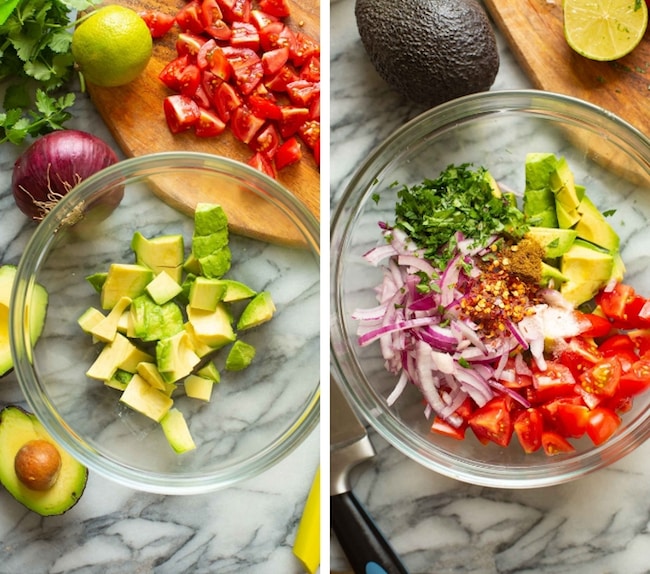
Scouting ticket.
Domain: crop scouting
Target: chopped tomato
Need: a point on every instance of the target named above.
(528, 427)
(277, 35)
(274, 60)
(615, 344)
(571, 418)
(292, 118)
(189, 80)
(602, 424)
(259, 18)
(310, 133)
(602, 378)
(244, 35)
(210, 13)
(211, 57)
(261, 162)
(226, 100)
(580, 354)
(267, 141)
(553, 443)
(264, 107)
(277, 8)
(493, 421)
(302, 92)
(595, 325)
(288, 153)
(159, 23)
(636, 380)
(556, 381)
(209, 124)
(304, 47)
(310, 70)
(181, 112)
(641, 339)
(189, 44)
(189, 17)
(245, 124)
(171, 74)
(442, 427)
(246, 66)
(613, 302)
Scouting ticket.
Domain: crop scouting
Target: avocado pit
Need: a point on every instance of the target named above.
(37, 464)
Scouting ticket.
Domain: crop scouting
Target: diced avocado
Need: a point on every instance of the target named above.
(124, 323)
(259, 310)
(555, 241)
(205, 293)
(36, 312)
(214, 328)
(152, 322)
(64, 477)
(552, 276)
(204, 245)
(164, 252)
(119, 380)
(150, 373)
(588, 269)
(120, 353)
(97, 280)
(175, 357)
(566, 218)
(593, 227)
(209, 218)
(106, 329)
(539, 207)
(177, 432)
(216, 264)
(236, 291)
(163, 288)
(192, 265)
(124, 280)
(209, 371)
(538, 169)
(200, 347)
(145, 399)
(198, 387)
(89, 318)
(564, 186)
(240, 356)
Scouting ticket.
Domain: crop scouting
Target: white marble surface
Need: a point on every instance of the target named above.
(248, 529)
(596, 525)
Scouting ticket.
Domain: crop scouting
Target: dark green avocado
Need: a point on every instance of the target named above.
(43, 477)
(431, 51)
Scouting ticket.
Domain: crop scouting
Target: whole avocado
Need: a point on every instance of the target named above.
(431, 51)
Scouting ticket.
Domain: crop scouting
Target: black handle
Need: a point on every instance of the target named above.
(364, 545)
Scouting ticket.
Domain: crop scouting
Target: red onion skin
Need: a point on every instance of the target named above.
(53, 165)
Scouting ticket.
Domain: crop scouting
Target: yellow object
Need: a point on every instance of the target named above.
(112, 47)
(604, 30)
(307, 544)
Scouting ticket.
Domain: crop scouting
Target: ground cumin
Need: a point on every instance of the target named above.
(524, 259)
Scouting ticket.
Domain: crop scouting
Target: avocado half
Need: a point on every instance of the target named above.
(17, 428)
(431, 51)
(36, 316)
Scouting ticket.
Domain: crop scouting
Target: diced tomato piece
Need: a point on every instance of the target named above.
(493, 421)
(264, 107)
(267, 141)
(528, 426)
(304, 47)
(201, 97)
(226, 100)
(245, 124)
(188, 17)
(641, 339)
(262, 163)
(595, 325)
(171, 74)
(310, 133)
(210, 13)
(571, 418)
(602, 379)
(245, 35)
(310, 70)
(277, 35)
(301, 92)
(209, 124)
(181, 112)
(288, 153)
(292, 118)
(314, 110)
(556, 381)
(246, 66)
(211, 57)
(219, 30)
(636, 380)
(259, 18)
(158, 22)
(236, 10)
(279, 82)
(442, 427)
(580, 354)
(189, 44)
(189, 80)
(615, 344)
(274, 60)
(554, 443)
(602, 424)
(614, 302)
(277, 8)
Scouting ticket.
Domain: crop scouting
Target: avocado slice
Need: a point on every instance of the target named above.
(555, 241)
(594, 227)
(36, 311)
(177, 432)
(60, 490)
(587, 269)
(259, 310)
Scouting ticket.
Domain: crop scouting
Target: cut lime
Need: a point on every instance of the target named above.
(604, 30)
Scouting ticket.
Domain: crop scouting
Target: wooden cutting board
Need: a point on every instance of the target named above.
(134, 116)
(534, 30)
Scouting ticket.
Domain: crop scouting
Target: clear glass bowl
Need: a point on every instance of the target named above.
(256, 416)
(495, 130)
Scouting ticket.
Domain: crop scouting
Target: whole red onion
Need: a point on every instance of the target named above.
(53, 165)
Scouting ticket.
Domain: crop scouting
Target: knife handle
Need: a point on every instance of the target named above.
(364, 545)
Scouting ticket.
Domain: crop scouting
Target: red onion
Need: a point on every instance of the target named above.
(55, 164)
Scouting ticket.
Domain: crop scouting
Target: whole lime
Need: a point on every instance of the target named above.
(112, 46)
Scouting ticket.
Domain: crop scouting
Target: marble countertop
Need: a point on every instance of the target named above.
(598, 524)
(247, 529)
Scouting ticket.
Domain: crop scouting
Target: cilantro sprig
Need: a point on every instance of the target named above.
(36, 65)
(460, 199)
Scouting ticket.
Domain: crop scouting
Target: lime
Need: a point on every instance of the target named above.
(112, 47)
(604, 30)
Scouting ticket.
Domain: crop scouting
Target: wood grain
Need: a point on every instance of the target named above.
(134, 116)
(534, 30)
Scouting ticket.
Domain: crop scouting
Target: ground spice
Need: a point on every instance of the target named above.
(524, 259)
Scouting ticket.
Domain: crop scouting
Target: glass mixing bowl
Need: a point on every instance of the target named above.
(255, 416)
(494, 130)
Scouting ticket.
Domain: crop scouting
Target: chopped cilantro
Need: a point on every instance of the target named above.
(462, 200)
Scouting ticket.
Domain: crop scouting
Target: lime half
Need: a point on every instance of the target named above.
(604, 30)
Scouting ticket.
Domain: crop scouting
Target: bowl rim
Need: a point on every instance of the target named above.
(24, 284)
(359, 393)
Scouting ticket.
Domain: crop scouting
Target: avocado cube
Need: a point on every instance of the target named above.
(205, 293)
(236, 290)
(192, 265)
(209, 371)
(259, 310)
(152, 322)
(109, 358)
(200, 347)
(143, 398)
(163, 288)
(106, 329)
(197, 387)
(209, 218)
(240, 356)
(214, 328)
(538, 169)
(89, 318)
(204, 245)
(162, 252)
(216, 264)
(177, 432)
(175, 357)
(124, 280)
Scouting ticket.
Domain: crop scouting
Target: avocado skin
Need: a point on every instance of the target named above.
(431, 51)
